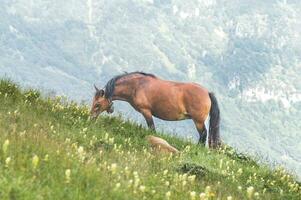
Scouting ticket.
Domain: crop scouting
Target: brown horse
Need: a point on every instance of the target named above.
(167, 100)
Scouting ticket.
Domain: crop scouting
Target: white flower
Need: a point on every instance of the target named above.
(80, 150)
(202, 196)
(191, 178)
(142, 188)
(229, 198)
(250, 192)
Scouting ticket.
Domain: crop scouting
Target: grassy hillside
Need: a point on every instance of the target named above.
(51, 150)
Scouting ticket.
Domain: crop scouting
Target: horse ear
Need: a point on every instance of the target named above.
(101, 92)
(96, 88)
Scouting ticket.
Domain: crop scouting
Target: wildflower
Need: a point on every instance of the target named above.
(229, 198)
(165, 172)
(5, 146)
(250, 192)
(153, 191)
(168, 194)
(142, 188)
(184, 183)
(111, 140)
(113, 168)
(192, 195)
(203, 196)
(35, 161)
(46, 158)
(67, 175)
(117, 186)
(239, 171)
(191, 178)
(208, 190)
(7, 161)
(167, 183)
(221, 164)
(239, 188)
(81, 153)
(135, 173)
(137, 181)
(256, 194)
(130, 183)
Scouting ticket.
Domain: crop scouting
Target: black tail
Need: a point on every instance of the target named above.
(214, 138)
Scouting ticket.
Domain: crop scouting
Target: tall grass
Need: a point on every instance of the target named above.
(51, 150)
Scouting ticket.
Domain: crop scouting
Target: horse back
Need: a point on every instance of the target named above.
(171, 100)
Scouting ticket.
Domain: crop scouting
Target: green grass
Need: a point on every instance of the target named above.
(51, 150)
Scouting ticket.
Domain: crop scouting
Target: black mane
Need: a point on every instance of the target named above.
(110, 86)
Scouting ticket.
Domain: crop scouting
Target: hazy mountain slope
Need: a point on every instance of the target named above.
(248, 52)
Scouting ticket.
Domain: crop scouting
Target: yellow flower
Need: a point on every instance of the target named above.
(208, 190)
(117, 186)
(46, 158)
(229, 198)
(35, 161)
(68, 175)
(192, 195)
(5, 146)
(113, 168)
(256, 194)
(167, 183)
(168, 194)
(7, 161)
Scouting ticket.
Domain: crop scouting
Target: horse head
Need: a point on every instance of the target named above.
(101, 103)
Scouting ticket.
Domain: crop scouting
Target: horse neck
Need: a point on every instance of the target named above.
(123, 90)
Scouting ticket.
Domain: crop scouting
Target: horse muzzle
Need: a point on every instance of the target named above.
(110, 110)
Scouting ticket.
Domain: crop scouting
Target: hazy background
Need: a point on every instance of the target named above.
(247, 51)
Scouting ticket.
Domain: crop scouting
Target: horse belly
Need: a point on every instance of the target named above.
(170, 113)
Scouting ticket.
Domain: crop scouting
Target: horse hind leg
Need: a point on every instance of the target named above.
(149, 119)
(200, 126)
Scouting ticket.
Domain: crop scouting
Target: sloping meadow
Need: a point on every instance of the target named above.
(50, 149)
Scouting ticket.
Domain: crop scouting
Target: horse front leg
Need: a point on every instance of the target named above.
(202, 132)
(149, 119)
